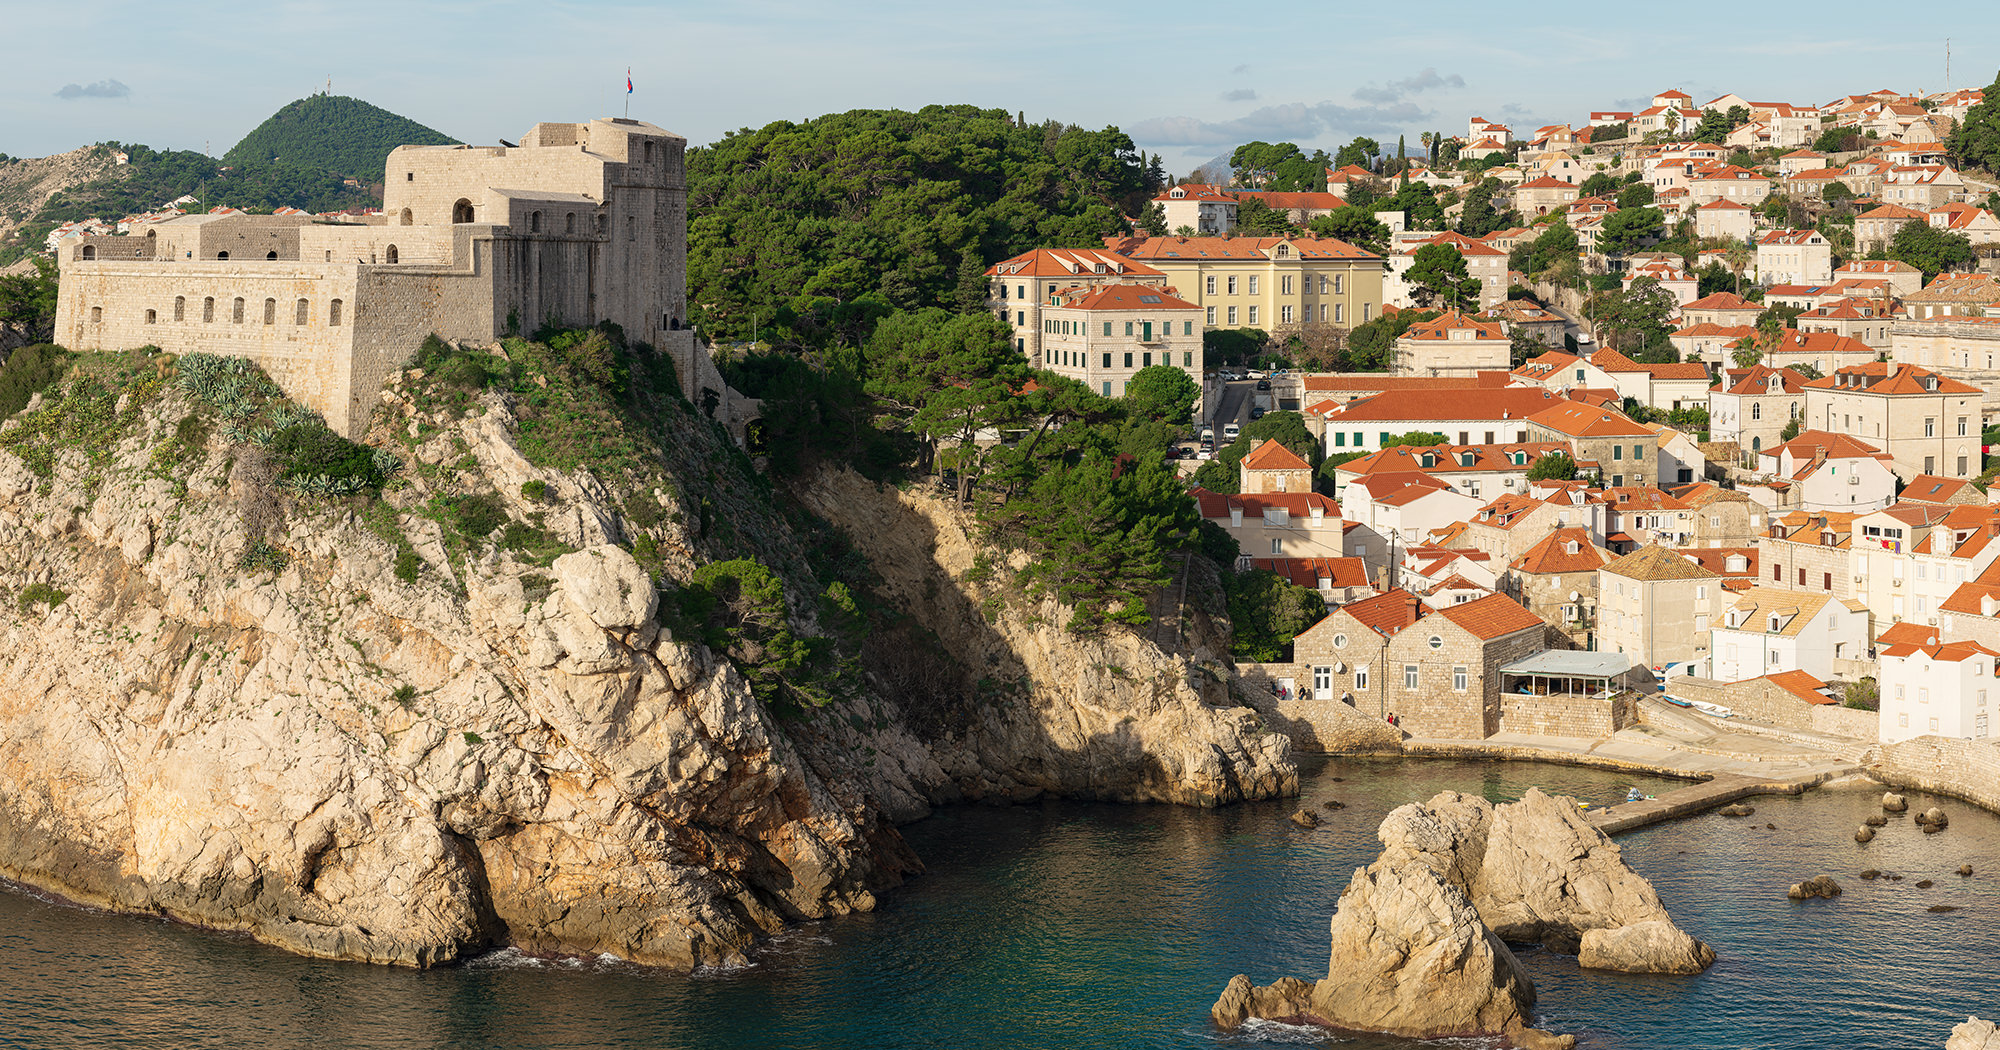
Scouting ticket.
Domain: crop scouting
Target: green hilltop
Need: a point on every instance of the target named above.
(332, 133)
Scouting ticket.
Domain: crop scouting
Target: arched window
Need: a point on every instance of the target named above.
(1756, 411)
(390, 255)
(649, 152)
(222, 256)
(569, 223)
(208, 309)
(333, 313)
(97, 315)
(236, 310)
(534, 222)
(270, 256)
(1795, 410)
(152, 317)
(270, 311)
(300, 313)
(461, 212)
(90, 251)
(631, 227)
(406, 218)
(180, 307)
(152, 243)
(1756, 444)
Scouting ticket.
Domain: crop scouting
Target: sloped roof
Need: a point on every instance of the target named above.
(1579, 420)
(1122, 297)
(1801, 685)
(1722, 301)
(1716, 560)
(1463, 403)
(1386, 613)
(1809, 444)
(1929, 488)
(1490, 617)
(1273, 455)
(1068, 262)
(1794, 608)
(1198, 249)
(1306, 572)
(1553, 554)
(1442, 327)
(1756, 381)
(1882, 377)
(1653, 563)
(1295, 504)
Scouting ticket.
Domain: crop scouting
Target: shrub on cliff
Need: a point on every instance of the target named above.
(738, 607)
(314, 459)
(28, 371)
(1266, 612)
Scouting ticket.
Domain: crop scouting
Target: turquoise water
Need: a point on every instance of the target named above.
(1088, 925)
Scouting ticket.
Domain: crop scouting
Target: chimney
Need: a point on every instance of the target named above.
(1987, 605)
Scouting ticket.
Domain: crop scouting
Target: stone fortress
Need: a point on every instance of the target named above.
(580, 223)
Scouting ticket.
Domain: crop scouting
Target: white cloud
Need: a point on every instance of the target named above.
(1290, 122)
(1397, 90)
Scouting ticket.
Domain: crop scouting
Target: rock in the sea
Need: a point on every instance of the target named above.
(1876, 820)
(1737, 809)
(1306, 818)
(1942, 907)
(1965, 869)
(1924, 884)
(1974, 1034)
(1933, 817)
(1817, 886)
(1548, 876)
(1864, 833)
(1871, 874)
(1894, 803)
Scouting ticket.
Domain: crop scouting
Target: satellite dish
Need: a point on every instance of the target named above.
(1573, 595)
(1339, 668)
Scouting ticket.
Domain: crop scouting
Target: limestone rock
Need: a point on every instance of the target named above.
(1864, 834)
(1894, 803)
(1932, 818)
(1653, 946)
(1306, 818)
(1817, 886)
(607, 584)
(1875, 820)
(1548, 876)
(1737, 809)
(1974, 1034)
(1964, 870)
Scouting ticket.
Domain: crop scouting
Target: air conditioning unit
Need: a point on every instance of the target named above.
(1932, 621)
(1854, 479)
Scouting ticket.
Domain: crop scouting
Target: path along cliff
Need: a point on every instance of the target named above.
(548, 665)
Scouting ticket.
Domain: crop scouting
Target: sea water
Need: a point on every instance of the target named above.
(1069, 924)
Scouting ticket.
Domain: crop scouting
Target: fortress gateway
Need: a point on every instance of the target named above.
(580, 223)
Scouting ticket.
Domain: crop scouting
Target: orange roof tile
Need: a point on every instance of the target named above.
(1406, 406)
(1491, 617)
(1800, 684)
(1124, 297)
(1386, 613)
(1068, 262)
(1580, 420)
(1563, 550)
(1307, 572)
(1272, 455)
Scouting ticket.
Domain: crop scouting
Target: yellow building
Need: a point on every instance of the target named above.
(1273, 283)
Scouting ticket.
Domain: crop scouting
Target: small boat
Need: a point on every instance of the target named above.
(1675, 700)
(1712, 710)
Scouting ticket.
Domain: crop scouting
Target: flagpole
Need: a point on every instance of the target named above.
(628, 92)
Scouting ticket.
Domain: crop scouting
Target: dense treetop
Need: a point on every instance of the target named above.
(332, 133)
(795, 224)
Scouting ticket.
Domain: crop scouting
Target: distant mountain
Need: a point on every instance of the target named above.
(333, 133)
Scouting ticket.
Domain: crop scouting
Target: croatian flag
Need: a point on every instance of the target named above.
(628, 80)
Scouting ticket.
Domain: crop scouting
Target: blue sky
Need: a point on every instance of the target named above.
(1189, 80)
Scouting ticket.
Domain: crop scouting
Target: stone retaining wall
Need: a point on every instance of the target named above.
(1564, 715)
(1963, 769)
(1328, 726)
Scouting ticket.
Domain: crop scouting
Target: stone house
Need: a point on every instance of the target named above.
(1273, 283)
(1542, 195)
(1928, 424)
(1655, 605)
(1941, 492)
(1711, 344)
(1954, 346)
(1271, 467)
(1753, 407)
(1207, 210)
(1794, 257)
(1391, 511)
(1818, 471)
(1723, 220)
(1468, 415)
(1102, 335)
(1937, 689)
(1909, 558)
(1025, 283)
(1482, 260)
(1277, 525)
(1954, 295)
(1481, 471)
(1877, 226)
(1903, 278)
(1767, 630)
(1825, 352)
(1438, 671)
(1721, 517)
(1299, 207)
(1730, 183)
(1658, 384)
(1606, 441)
(1527, 317)
(1810, 552)
(1722, 308)
(1338, 580)
(1972, 613)
(1557, 578)
(1505, 528)
(1453, 344)
(581, 223)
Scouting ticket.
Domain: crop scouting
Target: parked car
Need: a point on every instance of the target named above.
(1230, 430)
(1263, 384)
(1257, 413)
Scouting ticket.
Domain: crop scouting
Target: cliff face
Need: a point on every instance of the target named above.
(351, 735)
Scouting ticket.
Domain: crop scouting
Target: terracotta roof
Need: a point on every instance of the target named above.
(1295, 504)
(1794, 609)
(1756, 380)
(1704, 493)
(1791, 237)
(1890, 211)
(1384, 381)
(1908, 632)
(1658, 563)
(1386, 613)
(1579, 420)
(1952, 652)
(1796, 342)
(1451, 321)
(1451, 458)
(1716, 560)
(1123, 297)
(1485, 404)
(1881, 377)
(1546, 183)
(1722, 205)
(1722, 301)
(1068, 262)
(1468, 246)
(1307, 572)
(1929, 488)
(1196, 191)
(1801, 685)
(1563, 550)
(1282, 200)
(1272, 455)
(1197, 249)
(1491, 617)
(1810, 444)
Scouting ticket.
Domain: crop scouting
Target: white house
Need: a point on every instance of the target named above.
(1937, 690)
(1771, 629)
(1393, 512)
(1824, 471)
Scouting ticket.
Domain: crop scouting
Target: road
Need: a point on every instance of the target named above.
(1235, 406)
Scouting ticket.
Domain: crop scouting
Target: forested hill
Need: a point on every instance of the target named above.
(332, 133)
(797, 228)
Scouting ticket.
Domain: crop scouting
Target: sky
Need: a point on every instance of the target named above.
(1189, 81)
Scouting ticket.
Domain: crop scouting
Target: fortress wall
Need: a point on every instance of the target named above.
(401, 305)
(428, 180)
(309, 361)
(415, 245)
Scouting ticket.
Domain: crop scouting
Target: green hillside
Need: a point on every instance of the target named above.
(333, 133)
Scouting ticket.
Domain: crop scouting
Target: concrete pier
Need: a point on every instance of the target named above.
(1700, 798)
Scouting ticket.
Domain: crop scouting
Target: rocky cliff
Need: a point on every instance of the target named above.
(387, 728)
